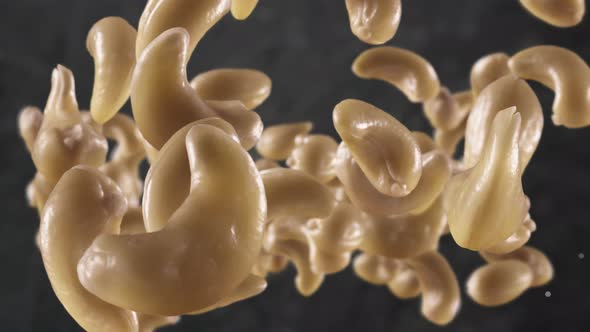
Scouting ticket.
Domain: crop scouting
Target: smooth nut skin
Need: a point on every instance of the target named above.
(111, 42)
(382, 146)
(249, 86)
(436, 171)
(250, 287)
(448, 139)
(562, 71)
(503, 93)
(410, 73)
(278, 141)
(499, 282)
(441, 298)
(443, 111)
(163, 100)
(314, 155)
(197, 17)
(374, 21)
(405, 283)
(560, 13)
(485, 204)
(65, 138)
(206, 249)
(262, 164)
(374, 269)
(535, 259)
(488, 69)
(516, 240)
(404, 236)
(241, 9)
(84, 204)
(425, 142)
(292, 193)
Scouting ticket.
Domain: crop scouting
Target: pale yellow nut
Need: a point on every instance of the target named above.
(448, 139)
(516, 240)
(503, 93)
(562, 71)
(262, 164)
(163, 101)
(332, 240)
(241, 9)
(38, 191)
(197, 17)
(65, 139)
(293, 193)
(249, 86)
(278, 141)
(404, 236)
(247, 124)
(374, 21)
(30, 119)
(207, 248)
(338, 190)
(535, 259)
(560, 13)
(425, 142)
(405, 283)
(374, 269)
(441, 298)
(314, 155)
(485, 204)
(269, 263)
(413, 75)
(250, 287)
(443, 111)
(436, 171)
(111, 42)
(499, 282)
(382, 146)
(84, 204)
(487, 69)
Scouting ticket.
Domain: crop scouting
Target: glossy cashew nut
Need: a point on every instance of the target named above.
(436, 171)
(249, 86)
(163, 100)
(248, 125)
(413, 75)
(505, 92)
(65, 138)
(382, 146)
(404, 236)
(448, 139)
(405, 283)
(485, 204)
(197, 17)
(499, 282)
(84, 204)
(207, 248)
(314, 155)
(443, 111)
(487, 69)
(374, 21)
(269, 263)
(111, 42)
(241, 9)
(562, 71)
(425, 142)
(441, 298)
(516, 240)
(560, 13)
(375, 269)
(278, 141)
(535, 259)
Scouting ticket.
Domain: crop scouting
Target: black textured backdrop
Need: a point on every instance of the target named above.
(307, 48)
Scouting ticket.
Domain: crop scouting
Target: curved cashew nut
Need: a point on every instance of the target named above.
(448, 139)
(413, 75)
(516, 240)
(382, 146)
(486, 204)
(425, 142)
(197, 17)
(488, 69)
(404, 236)
(249, 86)
(499, 282)
(405, 283)
(374, 21)
(248, 125)
(374, 269)
(535, 259)
(562, 71)
(111, 42)
(278, 141)
(83, 204)
(241, 9)
(503, 93)
(441, 298)
(436, 171)
(208, 246)
(314, 155)
(560, 13)
(443, 111)
(163, 100)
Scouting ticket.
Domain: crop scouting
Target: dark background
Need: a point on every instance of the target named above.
(306, 47)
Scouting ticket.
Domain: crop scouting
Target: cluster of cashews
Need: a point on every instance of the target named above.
(209, 223)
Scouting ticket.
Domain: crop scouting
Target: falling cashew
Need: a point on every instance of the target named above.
(374, 21)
